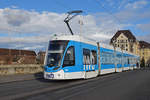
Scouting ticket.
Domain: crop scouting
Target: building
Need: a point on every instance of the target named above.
(40, 57)
(13, 56)
(144, 49)
(125, 40)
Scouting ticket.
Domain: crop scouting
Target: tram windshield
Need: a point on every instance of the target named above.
(55, 52)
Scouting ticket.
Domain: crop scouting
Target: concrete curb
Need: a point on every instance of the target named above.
(18, 78)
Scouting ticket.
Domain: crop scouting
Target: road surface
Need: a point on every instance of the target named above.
(130, 85)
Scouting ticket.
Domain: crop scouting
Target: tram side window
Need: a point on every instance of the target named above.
(69, 59)
(94, 57)
(86, 56)
(119, 58)
(128, 61)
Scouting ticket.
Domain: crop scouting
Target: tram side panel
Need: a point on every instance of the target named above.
(134, 63)
(74, 71)
(107, 60)
(119, 61)
(126, 62)
(89, 58)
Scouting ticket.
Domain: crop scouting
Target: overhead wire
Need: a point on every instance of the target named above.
(62, 5)
(68, 7)
(108, 11)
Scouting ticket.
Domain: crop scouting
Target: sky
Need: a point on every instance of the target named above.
(30, 24)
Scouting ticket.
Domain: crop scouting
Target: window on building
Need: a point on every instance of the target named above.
(118, 41)
(69, 59)
(121, 41)
(131, 48)
(126, 45)
(131, 40)
(122, 46)
(118, 45)
(126, 49)
(93, 57)
(86, 56)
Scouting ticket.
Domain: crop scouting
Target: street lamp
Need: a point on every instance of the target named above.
(114, 41)
(122, 57)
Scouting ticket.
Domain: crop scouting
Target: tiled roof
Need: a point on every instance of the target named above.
(144, 44)
(41, 52)
(127, 33)
(4, 51)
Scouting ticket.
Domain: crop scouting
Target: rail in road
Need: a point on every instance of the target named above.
(130, 85)
(23, 88)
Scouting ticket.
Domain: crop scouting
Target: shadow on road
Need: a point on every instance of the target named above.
(40, 77)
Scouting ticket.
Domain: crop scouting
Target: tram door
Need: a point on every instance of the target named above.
(89, 61)
(86, 60)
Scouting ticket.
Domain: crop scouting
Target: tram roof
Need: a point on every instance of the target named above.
(82, 39)
(77, 38)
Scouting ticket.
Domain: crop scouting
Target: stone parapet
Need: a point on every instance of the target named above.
(20, 69)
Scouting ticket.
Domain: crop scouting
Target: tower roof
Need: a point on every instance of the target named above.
(127, 33)
(144, 44)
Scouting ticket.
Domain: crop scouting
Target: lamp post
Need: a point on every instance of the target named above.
(122, 57)
(99, 65)
(114, 41)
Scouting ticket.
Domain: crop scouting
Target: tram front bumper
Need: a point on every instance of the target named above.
(54, 75)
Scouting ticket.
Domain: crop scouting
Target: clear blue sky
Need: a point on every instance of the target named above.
(125, 14)
(59, 6)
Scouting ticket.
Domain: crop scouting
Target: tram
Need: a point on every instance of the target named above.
(75, 57)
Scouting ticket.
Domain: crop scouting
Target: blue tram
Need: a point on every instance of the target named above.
(74, 57)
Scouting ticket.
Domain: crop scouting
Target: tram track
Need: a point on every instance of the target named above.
(72, 86)
(50, 86)
(40, 88)
(58, 87)
(111, 83)
(20, 77)
(14, 81)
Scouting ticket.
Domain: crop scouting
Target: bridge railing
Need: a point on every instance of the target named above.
(20, 69)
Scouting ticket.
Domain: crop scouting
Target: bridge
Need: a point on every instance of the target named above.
(130, 85)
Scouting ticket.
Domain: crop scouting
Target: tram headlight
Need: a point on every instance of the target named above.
(59, 75)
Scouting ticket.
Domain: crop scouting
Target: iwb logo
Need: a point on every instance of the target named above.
(89, 67)
(92, 67)
(86, 67)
